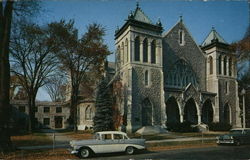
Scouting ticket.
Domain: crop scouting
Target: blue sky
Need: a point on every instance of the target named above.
(230, 18)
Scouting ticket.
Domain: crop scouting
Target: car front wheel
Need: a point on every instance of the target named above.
(237, 143)
(84, 153)
(130, 150)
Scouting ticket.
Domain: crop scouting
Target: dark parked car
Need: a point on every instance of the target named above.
(236, 136)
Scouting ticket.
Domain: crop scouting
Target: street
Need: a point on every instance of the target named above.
(210, 153)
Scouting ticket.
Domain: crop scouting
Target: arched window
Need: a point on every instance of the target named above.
(219, 64)
(225, 65)
(211, 64)
(146, 78)
(137, 49)
(118, 56)
(145, 50)
(181, 37)
(153, 52)
(88, 113)
(230, 66)
(122, 53)
(126, 49)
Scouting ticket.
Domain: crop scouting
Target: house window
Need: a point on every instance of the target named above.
(36, 109)
(122, 54)
(145, 50)
(146, 78)
(137, 49)
(153, 52)
(88, 113)
(211, 64)
(126, 50)
(58, 109)
(46, 121)
(46, 109)
(21, 108)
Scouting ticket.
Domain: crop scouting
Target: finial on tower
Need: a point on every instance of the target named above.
(181, 17)
(137, 4)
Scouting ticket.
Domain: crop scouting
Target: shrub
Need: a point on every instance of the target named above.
(181, 127)
(219, 126)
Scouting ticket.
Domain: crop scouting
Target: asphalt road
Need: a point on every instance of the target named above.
(211, 153)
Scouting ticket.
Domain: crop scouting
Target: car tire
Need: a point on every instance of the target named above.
(84, 153)
(130, 150)
(237, 143)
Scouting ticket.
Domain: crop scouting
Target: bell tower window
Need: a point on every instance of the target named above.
(137, 49)
(145, 50)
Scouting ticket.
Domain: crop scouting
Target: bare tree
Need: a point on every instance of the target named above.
(56, 88)
(79, 56)
(32, 61)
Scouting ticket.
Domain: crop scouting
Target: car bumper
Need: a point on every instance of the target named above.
(72, 151)
(229, 141)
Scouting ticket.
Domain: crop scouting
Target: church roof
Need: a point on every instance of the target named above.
(213, 36)
(139, 15)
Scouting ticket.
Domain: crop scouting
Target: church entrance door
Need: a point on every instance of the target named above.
(207, 112)
(172, 111)
(146, 113)
(190, 112)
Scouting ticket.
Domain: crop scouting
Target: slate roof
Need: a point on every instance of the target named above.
(212, 37)
(139, 15)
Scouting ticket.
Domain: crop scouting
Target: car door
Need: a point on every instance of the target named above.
(107, 145)
(118, 143)
(247, 136)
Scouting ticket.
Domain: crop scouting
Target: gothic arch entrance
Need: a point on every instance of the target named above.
(146, 112)
(190, 112)
(207, 112)
(227, 113)
(172, 111)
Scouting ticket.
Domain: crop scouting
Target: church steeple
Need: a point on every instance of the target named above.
(213, 37)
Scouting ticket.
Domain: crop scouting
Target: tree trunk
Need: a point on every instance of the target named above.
(5, 108)
(32, 105)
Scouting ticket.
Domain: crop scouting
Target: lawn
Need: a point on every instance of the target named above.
(32, 139)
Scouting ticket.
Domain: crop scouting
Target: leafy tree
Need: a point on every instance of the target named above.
(242, 48)
(103, 120)
(79, 56)
(32, 62)
(7, 9)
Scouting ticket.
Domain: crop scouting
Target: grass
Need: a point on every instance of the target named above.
(32, 139)
(44, 154)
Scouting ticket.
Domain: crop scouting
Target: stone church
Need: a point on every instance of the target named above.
(168, 78)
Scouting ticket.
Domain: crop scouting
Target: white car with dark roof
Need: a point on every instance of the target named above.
(106, 142)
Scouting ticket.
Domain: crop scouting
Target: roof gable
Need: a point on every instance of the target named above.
(212, 37)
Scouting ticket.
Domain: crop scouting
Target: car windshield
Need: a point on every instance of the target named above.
(236, 131)
(96, 136)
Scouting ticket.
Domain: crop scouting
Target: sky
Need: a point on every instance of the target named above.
(230, 18)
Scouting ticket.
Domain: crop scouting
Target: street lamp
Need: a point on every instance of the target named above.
(243, 92)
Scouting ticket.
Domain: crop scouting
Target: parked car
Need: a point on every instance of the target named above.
(236, 136)
(106, 142)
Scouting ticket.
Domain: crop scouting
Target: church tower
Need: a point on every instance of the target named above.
(139, 65)
(221, 78)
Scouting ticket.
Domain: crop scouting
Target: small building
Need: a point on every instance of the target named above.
(53, 115)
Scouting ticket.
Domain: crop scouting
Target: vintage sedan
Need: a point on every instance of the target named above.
(236, 136)
(106, 142)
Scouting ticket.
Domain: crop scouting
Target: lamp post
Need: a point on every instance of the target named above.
(243, 92)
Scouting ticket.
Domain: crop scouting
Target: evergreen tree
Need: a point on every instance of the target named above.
(103, 120)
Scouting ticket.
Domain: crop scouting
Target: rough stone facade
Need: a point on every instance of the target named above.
(169, 78)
